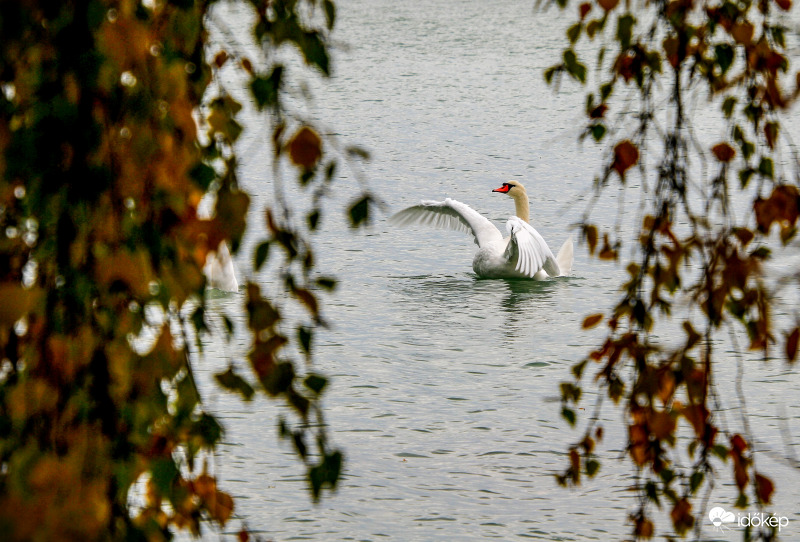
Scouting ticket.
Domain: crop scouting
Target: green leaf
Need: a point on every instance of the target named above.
(725, 55)
(313, 219)
(235, 383)
(728, 105)
(592, 466)
(625, 25)
(577, 369)
(779, 35)
(330, 13)
(262, 253)
(203, 175)
(327, 283)
(745, 175)
(766, 168)
(359, 211)
(573, 67)
(315, 51)
(550, 72)
(208, 429)
(315, 383)
(266, 90)
(164, 472)
(606, 90)
(304, 336)
(598, 131)
(651, 490)
(594, 26)
(569, 415)
(326, 474)
(695, 480)
(574, 32)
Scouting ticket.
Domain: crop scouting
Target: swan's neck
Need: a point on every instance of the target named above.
(523, 209)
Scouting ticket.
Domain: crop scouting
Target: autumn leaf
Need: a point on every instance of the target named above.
(592, 320)
(625, 156)
(764, 489)
(791, 345)
(723, 152)
(590, 231)
(743, 32)
(305, 148)
(608, 5)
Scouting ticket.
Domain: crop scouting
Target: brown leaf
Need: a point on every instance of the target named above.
(592, 320)
(608, 5)
(222, 507)
(643, 528)
(625, 156)
(738, 443)
(220, 59)
(764, 488)
(785, 5)
(771, 130)
(584, 9)
(723, 152)
(743, 32)
(791, 345)
(607, 252)
(661, 424)
(305, 148)
(590, 232)
(682, 518)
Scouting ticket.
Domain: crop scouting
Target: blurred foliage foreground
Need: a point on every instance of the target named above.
(111, 133)
(713, 210)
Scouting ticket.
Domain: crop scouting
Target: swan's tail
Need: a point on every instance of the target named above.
(564, 257)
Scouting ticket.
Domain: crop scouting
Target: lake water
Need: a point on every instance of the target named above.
(444, 391)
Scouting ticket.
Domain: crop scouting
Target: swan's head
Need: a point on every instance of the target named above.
(512, 188)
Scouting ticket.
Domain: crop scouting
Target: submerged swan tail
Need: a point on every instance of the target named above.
(564, 257)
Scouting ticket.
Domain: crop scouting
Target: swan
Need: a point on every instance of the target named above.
(219, 269)
(523, 254)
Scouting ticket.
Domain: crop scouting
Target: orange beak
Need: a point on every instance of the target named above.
(503, 188)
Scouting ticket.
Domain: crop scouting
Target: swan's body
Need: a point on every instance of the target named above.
(219, 269)
(523, 254)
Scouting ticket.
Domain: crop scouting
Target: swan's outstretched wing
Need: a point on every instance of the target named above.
(530, 249)
(453, 215)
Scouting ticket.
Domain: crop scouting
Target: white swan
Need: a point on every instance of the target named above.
(523, 254)
(219, 269)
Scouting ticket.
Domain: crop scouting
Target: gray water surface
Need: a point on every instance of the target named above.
(444, 389)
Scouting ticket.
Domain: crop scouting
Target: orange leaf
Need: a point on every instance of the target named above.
(592, 320)
(643, 528)
(625, 156)
(682, 517)
(305, 148)
(723, 152)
